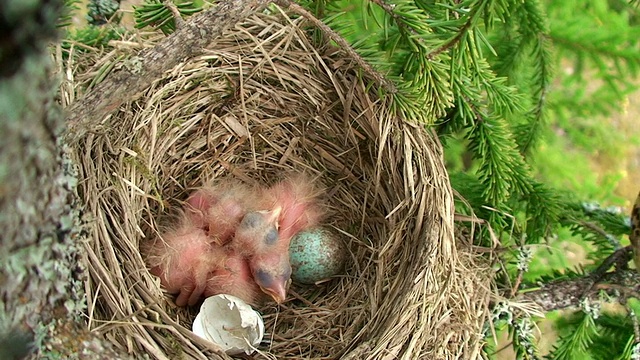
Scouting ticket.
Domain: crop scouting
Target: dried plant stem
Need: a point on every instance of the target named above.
(137, 73)
(344, 45)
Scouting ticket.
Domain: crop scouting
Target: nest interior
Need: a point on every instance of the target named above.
(263, 101)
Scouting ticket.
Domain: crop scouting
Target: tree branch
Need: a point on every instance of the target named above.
(87, 114)
(569, 293)
(177, 18)
(621, 283)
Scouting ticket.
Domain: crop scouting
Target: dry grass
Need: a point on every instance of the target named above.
(263, 101)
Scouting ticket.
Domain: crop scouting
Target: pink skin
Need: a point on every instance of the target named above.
(295, 208)
(221, 246)
(218, 210)
(298, 201)
(235, 279)
(272, 273)
(257, 239)
(194, 268)
(187, 259)
(194, 252)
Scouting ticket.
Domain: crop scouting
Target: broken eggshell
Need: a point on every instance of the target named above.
(230, 323)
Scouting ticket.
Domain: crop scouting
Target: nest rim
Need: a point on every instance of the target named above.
(367, 155)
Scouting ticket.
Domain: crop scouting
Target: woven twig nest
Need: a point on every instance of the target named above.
(263, 101)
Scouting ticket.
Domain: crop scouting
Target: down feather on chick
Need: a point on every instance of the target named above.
(183, 259)
(192, 266)
(234, 279)
(264, 236)
(298, 199)
(219, 209)
(257, 239)
(222, 245)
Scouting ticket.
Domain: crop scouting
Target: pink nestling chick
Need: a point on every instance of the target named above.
(234, 278)
(221, 245)
(193, 259)
(184, 258)
(257, 239)
(298, 199)
(218, 209)
(191, 252)
(192, 266)
(264, 236)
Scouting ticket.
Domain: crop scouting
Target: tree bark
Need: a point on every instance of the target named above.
(138, 72)
(41, 278)
(619, 284)
(41, 289)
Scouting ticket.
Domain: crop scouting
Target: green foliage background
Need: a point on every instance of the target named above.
(522, 95)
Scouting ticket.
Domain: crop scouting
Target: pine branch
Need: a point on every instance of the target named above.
(621, 284)
(99, 12)
(543, 210)
(86, 114)
(595, 50)
(602, 227)
(456, 39)
(524, 57)
(574, 346)
(177, 18)
(68, 12)
(534, 32)
(634, 236)
(529, 133)
(502, 168)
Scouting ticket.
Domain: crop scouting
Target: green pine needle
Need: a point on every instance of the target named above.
(155, 14)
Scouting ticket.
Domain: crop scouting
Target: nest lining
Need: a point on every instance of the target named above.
(261, 102)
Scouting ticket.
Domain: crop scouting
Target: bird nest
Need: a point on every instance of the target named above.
(263, 101)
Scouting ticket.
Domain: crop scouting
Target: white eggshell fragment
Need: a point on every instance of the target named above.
(229, 323)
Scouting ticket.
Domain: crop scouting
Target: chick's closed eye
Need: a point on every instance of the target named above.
(252, 220)
(271, 237)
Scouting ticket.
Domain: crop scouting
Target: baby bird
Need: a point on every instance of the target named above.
(257, 238)
(192, 259)
(183, 260)
(234, 279)
(233, 239)
(298, 199)
(264, 236)
(193, 266)
(218, 209)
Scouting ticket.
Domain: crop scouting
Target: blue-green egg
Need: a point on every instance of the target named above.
(316, 254)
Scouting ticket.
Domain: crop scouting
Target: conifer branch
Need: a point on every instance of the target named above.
(503, 169)
(177, 18)
(531, 131)
(619, 257)
(636, 324)
(568, 293)
(388, 9)
(451, 43)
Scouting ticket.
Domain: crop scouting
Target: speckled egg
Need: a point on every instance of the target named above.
(316, 254)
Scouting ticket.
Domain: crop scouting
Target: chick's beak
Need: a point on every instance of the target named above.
(274, 286)
(275, 215)
(278, 292)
